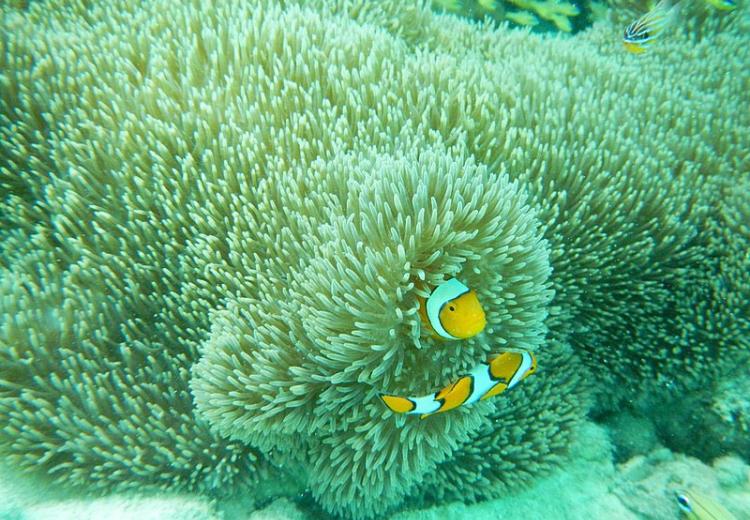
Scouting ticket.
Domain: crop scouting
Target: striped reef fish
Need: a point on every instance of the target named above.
(484, 381)
(452, 311)
(697, 506)
(724, 5)
(642, 32)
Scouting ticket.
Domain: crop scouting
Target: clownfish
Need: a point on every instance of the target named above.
(697, 506)
(642, 32)
(452, 311)
(484, 381)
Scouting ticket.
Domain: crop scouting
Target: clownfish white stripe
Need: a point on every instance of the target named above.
(441, 296)
(483, 381)
(425, 404)
(526, 362)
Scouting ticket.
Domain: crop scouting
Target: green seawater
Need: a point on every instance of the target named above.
(222, 224)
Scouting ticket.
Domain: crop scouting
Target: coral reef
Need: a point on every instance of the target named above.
(94, 359)
(631, 435)
(499, 459)
(708, 422)
(730, 427)
(703, 410)
(647, 484)
(582, 488)
(377, 225)
(558, 13)
(149, 224)
(215, 221)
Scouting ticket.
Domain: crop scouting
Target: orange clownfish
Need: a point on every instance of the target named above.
(484, 381)
(452, 311)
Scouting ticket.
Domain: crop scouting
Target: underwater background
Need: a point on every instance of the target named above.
(222, 225)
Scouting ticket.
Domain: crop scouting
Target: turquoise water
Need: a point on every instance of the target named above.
(374, 260)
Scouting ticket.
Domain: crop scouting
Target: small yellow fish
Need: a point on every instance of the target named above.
(452, 311)
(697, 506)
(488, 5)
(642, 32)
(724, 5)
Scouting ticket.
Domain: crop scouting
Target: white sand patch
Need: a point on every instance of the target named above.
(27, 498)
(123, 508)
(281, 509)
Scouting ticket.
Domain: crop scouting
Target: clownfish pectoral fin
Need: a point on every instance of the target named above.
(398, 404)
(499, 388)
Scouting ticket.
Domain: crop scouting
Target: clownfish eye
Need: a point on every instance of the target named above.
(684, 503)
(452, 308)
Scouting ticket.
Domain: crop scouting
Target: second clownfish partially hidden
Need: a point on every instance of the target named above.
(484, 381)
(452, 311)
